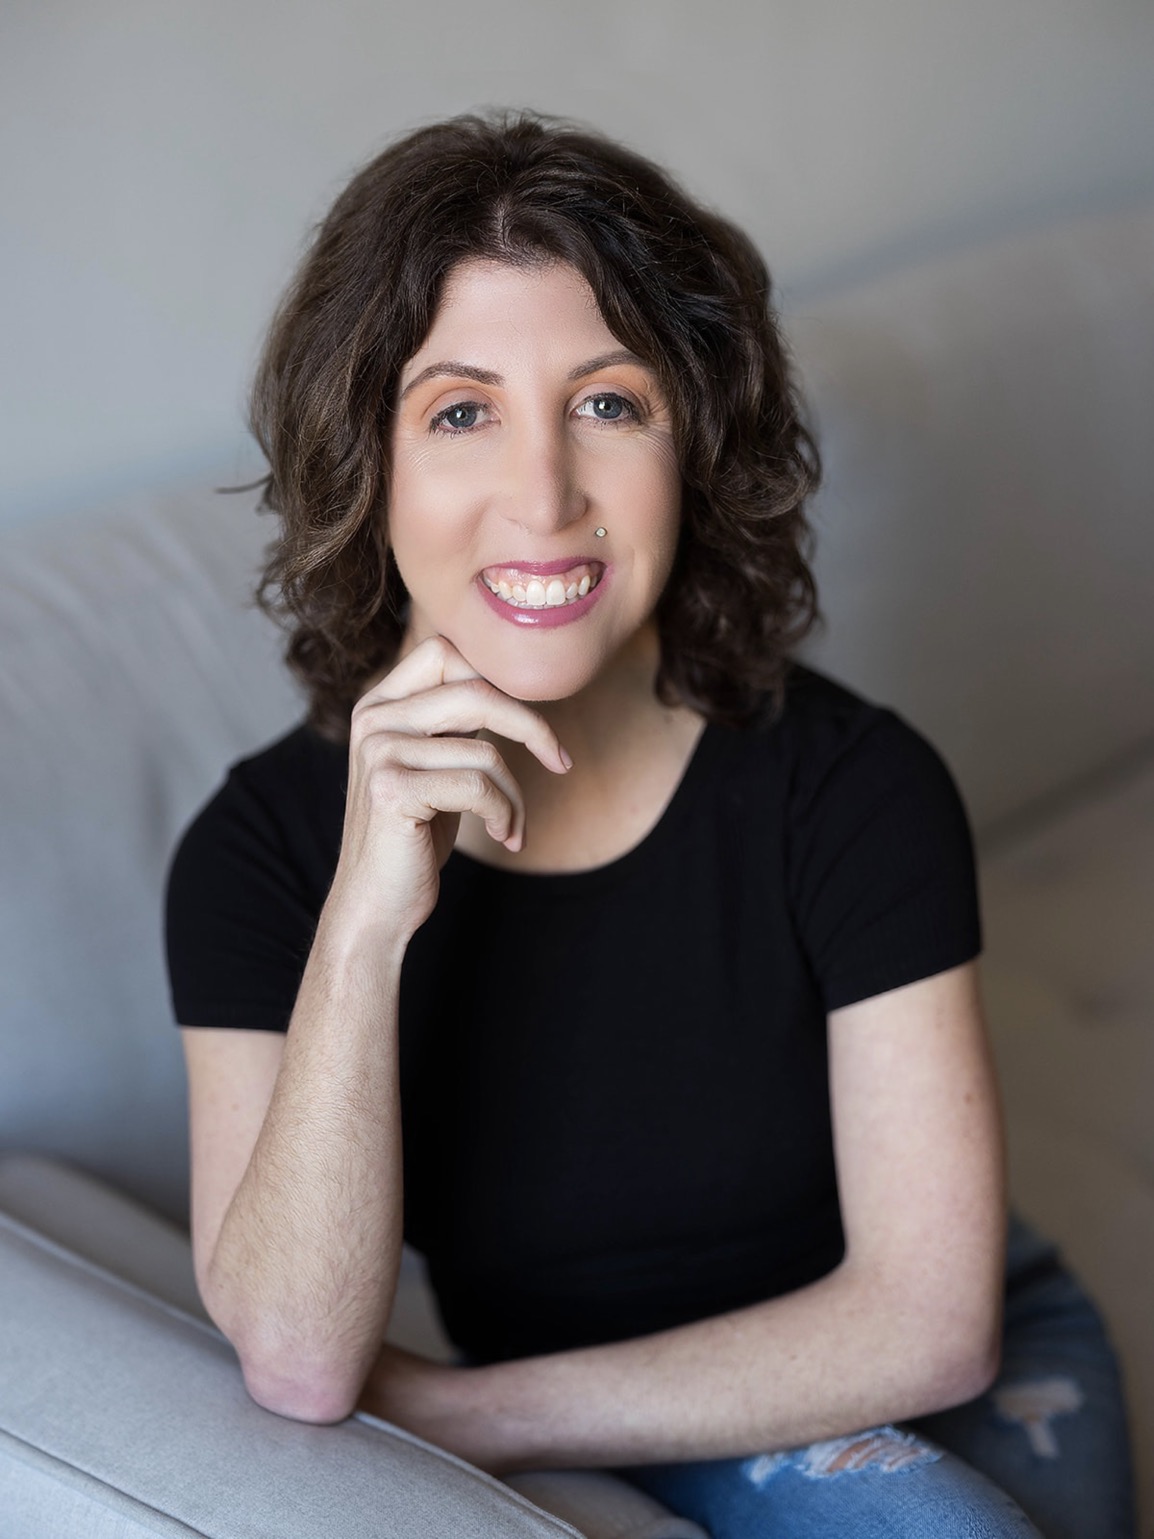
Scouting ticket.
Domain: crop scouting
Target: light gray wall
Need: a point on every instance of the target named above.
(159, 164)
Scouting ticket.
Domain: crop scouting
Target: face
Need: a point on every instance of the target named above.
(522, 427)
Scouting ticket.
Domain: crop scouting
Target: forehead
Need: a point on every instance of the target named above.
(495, 304)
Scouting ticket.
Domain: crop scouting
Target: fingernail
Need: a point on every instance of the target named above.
(565, 759)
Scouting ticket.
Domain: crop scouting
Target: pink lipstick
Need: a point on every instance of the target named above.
(549, 593)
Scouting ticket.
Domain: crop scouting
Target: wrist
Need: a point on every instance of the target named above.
(452, 1407)
(353, 932)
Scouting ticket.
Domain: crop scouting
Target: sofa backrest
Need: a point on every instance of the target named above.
(986, 537)
(131, 675)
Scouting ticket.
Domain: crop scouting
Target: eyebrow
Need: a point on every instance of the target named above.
(487, 376)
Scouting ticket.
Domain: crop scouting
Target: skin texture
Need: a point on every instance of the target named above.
(296, 1141)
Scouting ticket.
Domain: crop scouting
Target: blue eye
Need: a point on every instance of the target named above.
(610, 408)
(458, 418)
(463, 416)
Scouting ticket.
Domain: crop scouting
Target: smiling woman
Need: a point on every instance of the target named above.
(671, 305)
(659, 946)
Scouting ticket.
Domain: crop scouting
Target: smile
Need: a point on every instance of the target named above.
(533, 588)
(543, 594)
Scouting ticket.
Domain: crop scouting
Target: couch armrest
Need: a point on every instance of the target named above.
(120, 1415)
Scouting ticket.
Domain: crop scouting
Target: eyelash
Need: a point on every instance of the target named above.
(438, 424)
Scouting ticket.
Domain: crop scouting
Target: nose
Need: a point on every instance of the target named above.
(541, 491)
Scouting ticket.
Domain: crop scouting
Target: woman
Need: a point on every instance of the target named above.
(661, 946)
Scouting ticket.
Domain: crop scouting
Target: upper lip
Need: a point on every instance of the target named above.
(545, 568)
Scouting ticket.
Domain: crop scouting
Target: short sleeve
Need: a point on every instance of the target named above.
(883, 876)
(240, 914)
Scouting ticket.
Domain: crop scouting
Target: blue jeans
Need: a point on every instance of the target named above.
(1044, 1451)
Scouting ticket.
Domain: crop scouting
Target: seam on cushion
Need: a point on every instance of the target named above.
(80, 1263)
(479, 1476)
(68, 1473)
(99, 1490)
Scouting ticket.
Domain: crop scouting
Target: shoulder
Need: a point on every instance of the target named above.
(286, 799)
(879, 849)
(248, 880)
(291, 768)
(288, 775)
(831, 739)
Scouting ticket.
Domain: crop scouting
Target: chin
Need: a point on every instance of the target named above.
(527, 678)
(540, 685)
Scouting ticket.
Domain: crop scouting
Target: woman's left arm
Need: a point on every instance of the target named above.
(908, 1323)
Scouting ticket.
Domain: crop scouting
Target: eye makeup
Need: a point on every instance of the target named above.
(442, 424)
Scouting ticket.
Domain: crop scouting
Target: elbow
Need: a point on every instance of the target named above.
(321, 1397)
(281, 1372)
(963, 1366)
(283, 1376)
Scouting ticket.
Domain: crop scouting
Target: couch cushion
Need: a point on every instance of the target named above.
(123, 1415)
(985, 550)
(102, 1225)
(75, 1226)
(89, 1218)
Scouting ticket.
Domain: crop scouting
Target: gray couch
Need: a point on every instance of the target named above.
(987, 563)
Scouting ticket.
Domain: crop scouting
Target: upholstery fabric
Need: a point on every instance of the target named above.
(100, 1224)
(87, 1461)
(131, 669)
(146, 1404)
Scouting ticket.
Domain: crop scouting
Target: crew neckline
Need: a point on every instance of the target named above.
(672, 815)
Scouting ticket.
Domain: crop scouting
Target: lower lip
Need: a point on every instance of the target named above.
(558, 614)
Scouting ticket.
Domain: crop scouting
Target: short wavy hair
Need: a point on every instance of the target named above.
(677, 284)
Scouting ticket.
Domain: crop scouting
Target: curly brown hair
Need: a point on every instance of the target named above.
(677, 284)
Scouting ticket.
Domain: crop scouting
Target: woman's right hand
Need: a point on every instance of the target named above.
(414, 766)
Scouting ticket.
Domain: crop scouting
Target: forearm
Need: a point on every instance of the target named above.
(303, 1272)
(831, 1358)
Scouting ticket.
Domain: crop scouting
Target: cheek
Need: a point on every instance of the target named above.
(662, 505)
(429, 512)
(642, 485)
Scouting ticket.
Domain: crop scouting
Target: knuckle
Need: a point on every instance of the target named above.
(489, 755)
(388, 784)
(374, 746)
(478, 689)
(476, 785)
(368, 719)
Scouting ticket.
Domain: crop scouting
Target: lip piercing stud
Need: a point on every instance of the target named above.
(600, 533)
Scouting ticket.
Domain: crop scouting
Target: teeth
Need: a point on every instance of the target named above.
(552, 593)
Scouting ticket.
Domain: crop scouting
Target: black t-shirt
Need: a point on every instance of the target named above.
(614, 1082)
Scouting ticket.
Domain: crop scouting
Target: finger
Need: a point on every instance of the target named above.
(449, 753)
(432, 662)
(470, 705)
(422, 794)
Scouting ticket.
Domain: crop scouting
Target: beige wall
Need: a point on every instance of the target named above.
(160, 162)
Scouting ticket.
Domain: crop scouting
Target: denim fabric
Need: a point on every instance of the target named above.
(1044, 1451)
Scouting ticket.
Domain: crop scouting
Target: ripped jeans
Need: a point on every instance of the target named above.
(1044, 1451)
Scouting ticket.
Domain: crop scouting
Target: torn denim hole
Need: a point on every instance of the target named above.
(758, 1470)
(884, 1449)
(1032, 1405)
